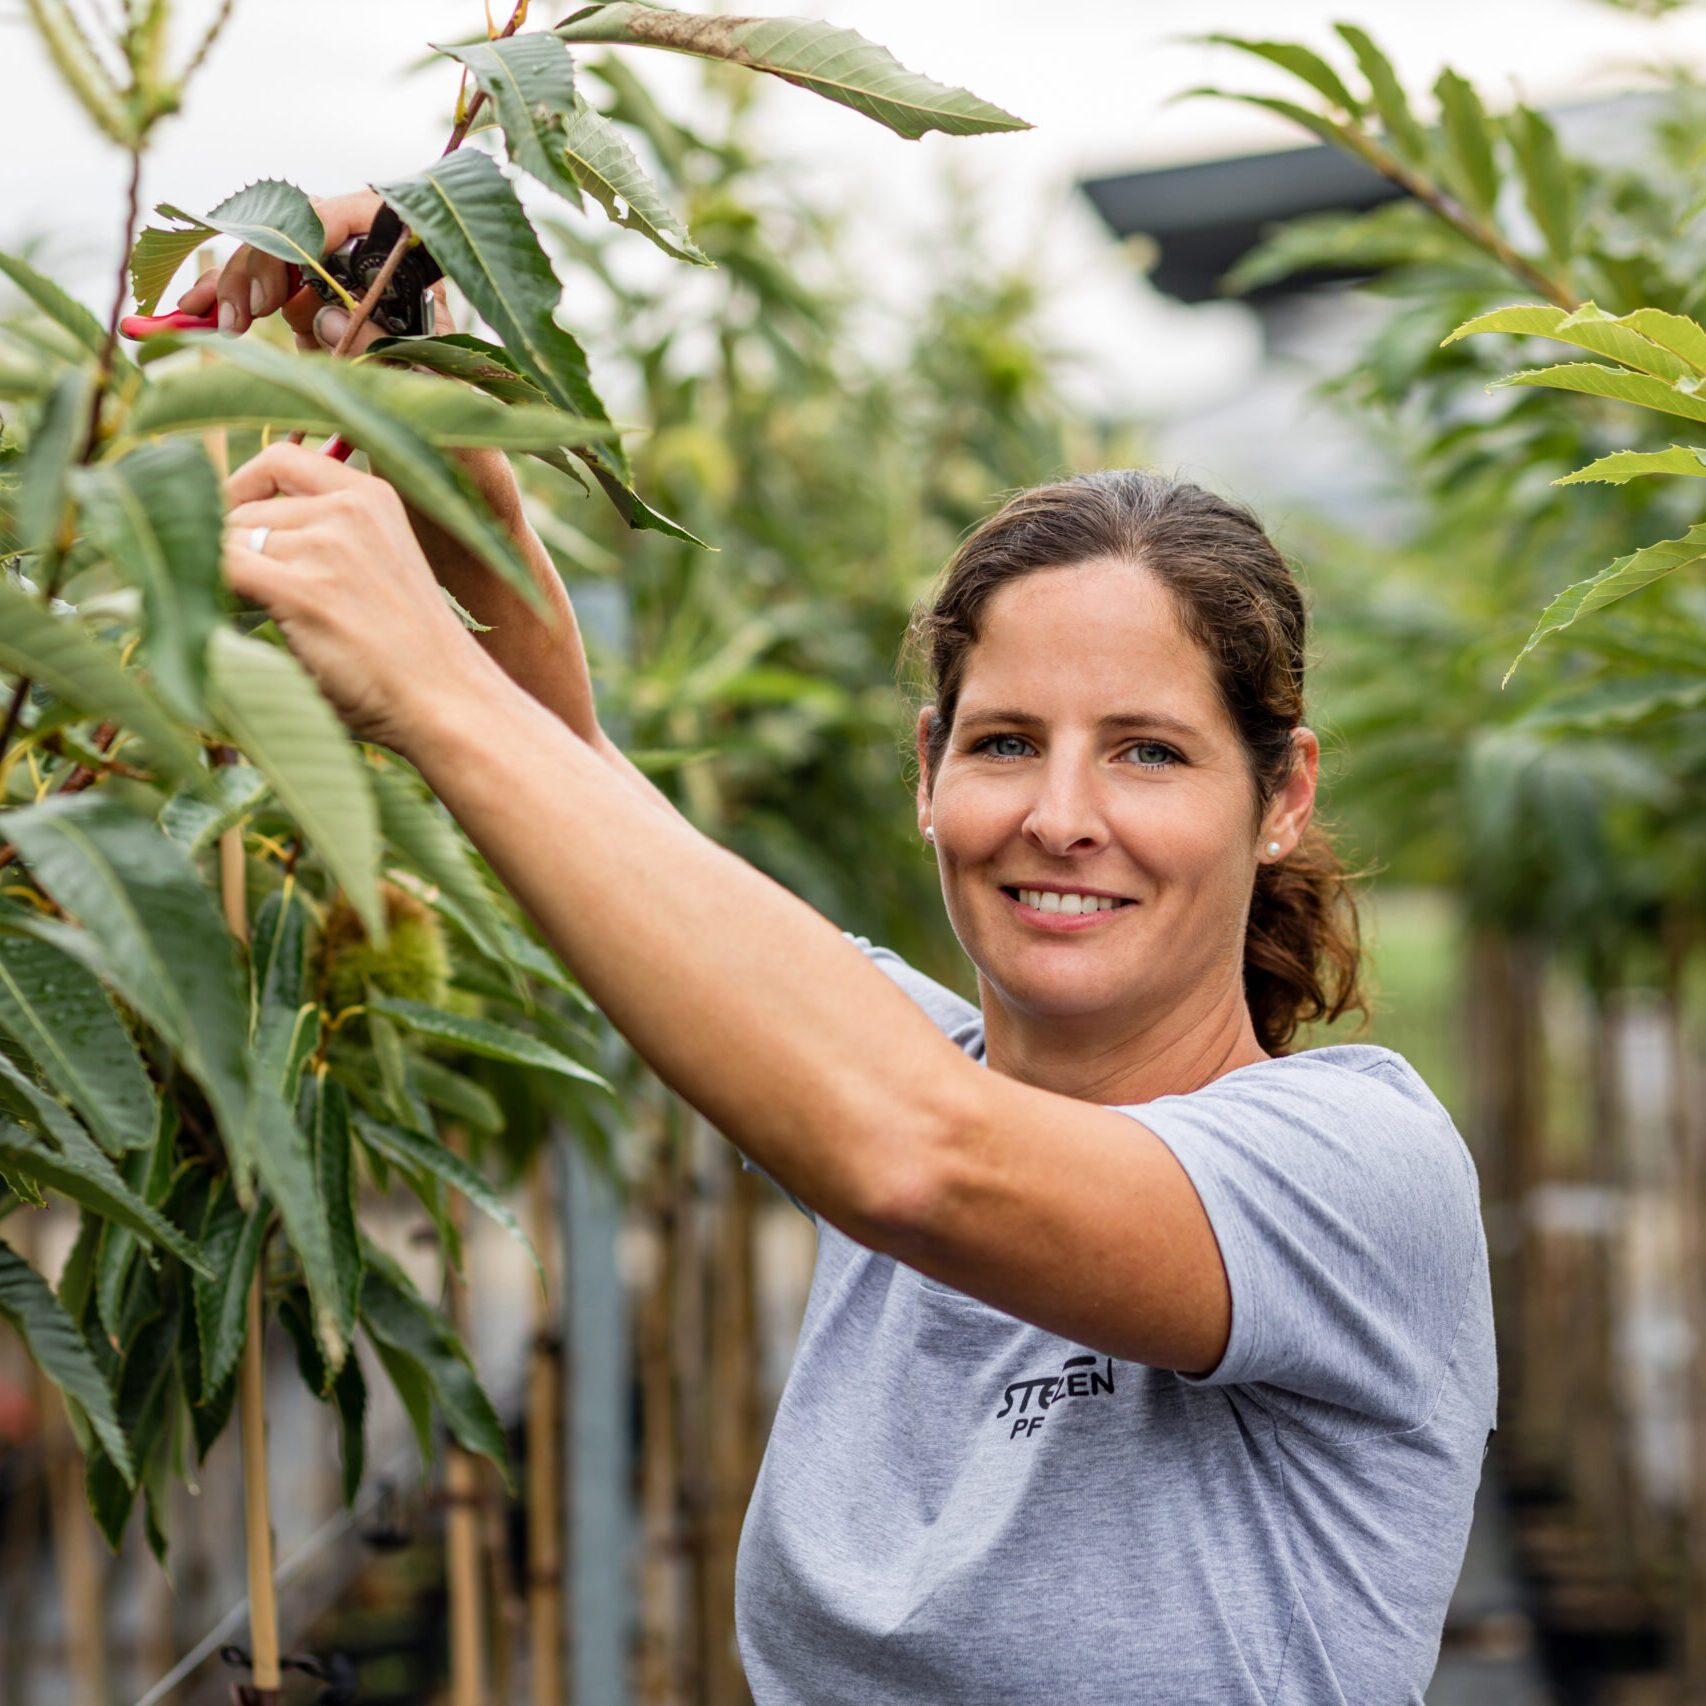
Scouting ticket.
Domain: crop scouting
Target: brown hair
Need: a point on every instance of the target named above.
(1237, 598)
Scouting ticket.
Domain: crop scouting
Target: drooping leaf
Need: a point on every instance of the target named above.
(605, 167)
(1404, 134)
(1472, 164)
(1617, 580)
(483, 1037)
(273, 711)
(399, 1319)
(418, 828)
(418, 1150)
(196, 823)
(1595, 380)
(57, 1011)
(1548, 185)
(1588, 328)
(1624, 465)
(470, 1104)
(467, 213)
(530, 82)
(44, 474)
(145, 1387)
(270, 215)
(158, 515)
(841, 65)
(148, 1173)
(414, 1391)
(1301, 62)
(329, 1141)
(61, 1353)
(233, 1239)
(55, 651)
(347, 1393)
(278, 957)
(65, 311)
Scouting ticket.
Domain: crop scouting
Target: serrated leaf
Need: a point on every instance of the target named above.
(233, 1239)
(158, 516)
(329, 1143)
(416, 1149)
(530, 83)
(1403, 132)
(155, 258)
(1624, 465)
(470, 1104)
(483, 1037)
(56, 652)
(838, 64)
(1675, 332)
(1617, 384)
(1588, 328)
(63, 310)
(144, 1388)
(1301, 62)
(61, 1353)
(605, 167)
(66, 1022)
(270, 215)
(466, 211)
(195, 823)
(347, 1393)
(1473, 167)
(399, 1320)
(1548, 186)
(275, 714)
(1617, 580)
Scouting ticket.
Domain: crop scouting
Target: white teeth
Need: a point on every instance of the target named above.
(1047, 900)
(1050, 901)
(1076, 903)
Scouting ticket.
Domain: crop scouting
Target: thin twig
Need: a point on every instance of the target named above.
(103, 378)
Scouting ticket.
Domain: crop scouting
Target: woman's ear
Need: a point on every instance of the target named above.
(926, 719)
(1290, 810)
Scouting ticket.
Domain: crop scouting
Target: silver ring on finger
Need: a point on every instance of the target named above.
(258, 539)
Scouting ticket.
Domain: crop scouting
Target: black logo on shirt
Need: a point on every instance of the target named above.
(1079, 1377)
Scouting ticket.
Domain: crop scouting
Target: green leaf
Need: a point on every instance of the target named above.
(347, 1393)
(427, 1154)
(1588, 328)
(1675, 332)
(470, 1104)
(1405, 136)
(196, 823)
(81, 1173)
(414, 1391)
(1548, 185)
(149, 1175)
(840, 65)
(1625, 465)
(359, 407)
(1472, 167)
(66, 1022)
(233, 1241)
(65, 311)
(56, 652)
(273, 711)
(275, 217)
(158, 515)
(85, 76)
(44, 474)
(223, 394)
(1317, 124)
(1625, 702)
(329, 1142)
(1301, 62)
(467, 213)
(155, 258)
(1617, 580)
(426, 836)
(285, 1027)
(144, 1389)
(482, 1037)
(605, 167)
(1593, 380)
(61, 1353)
(399, 1320)
(530, 82)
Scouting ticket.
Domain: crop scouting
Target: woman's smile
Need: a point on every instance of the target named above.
(1062, 911)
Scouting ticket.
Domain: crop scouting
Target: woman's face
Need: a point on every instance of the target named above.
(1090, 752)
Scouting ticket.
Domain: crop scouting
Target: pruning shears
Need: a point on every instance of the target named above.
(404, 309)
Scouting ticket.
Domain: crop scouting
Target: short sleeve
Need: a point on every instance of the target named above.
(1347, 1212)
(955, 1017)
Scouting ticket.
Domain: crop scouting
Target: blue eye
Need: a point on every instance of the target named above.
(989, 741)
(1167, 755)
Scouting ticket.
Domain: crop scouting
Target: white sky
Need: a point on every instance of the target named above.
(317, 91)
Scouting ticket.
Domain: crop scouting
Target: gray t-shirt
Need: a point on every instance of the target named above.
(957, 1506)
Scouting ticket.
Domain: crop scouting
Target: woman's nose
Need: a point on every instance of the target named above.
(1066, 815)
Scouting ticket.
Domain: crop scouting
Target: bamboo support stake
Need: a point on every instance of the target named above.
(462, 1497)
(545, 1582)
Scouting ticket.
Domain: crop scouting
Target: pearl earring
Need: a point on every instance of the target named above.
(929, 834)
(1273, 848)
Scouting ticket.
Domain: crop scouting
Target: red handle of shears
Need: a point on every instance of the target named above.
(141, 326)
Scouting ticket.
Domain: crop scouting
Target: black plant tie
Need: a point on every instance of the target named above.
(335, 1670)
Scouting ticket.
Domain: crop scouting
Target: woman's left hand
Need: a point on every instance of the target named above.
(342, 574)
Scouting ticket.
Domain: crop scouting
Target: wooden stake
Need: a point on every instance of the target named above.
(462, 1496)
(544, 1462)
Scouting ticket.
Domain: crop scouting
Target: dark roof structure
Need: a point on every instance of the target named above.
(1203, 217)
